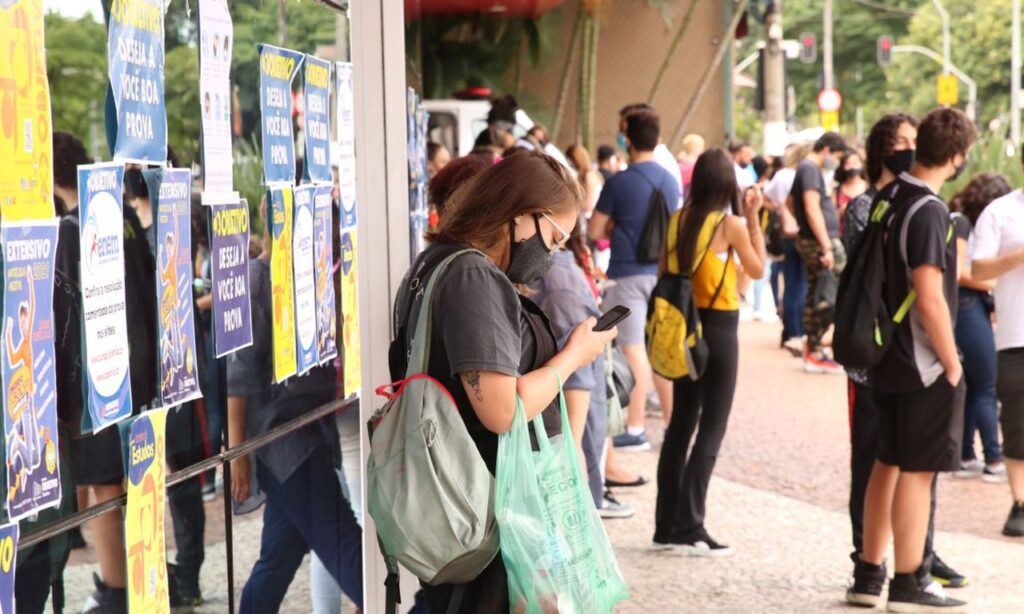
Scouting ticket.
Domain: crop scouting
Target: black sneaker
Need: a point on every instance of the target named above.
(106, 600)
(700, 544)
(917, 592)
(1014, 526)
(183, 589)
(946, 575)
(868, 582)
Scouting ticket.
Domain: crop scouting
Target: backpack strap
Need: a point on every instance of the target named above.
(392, 583)
(908, 302)
(419, 355)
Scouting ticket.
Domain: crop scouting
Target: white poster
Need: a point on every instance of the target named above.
(346, 144)
(216, 38)
(305, 279)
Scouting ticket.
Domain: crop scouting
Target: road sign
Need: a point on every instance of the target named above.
(830, 121)
(830, 100)
(947, 90)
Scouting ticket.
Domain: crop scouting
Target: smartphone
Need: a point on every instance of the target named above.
(612, 317)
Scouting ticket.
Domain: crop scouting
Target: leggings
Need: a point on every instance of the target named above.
(703, 407)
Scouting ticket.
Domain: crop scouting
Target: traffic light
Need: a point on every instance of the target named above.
(808, 48)
(884, 51)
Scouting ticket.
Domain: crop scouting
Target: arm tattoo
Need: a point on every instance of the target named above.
(473, 379)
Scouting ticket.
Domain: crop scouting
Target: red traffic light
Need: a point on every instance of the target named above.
(884, 51)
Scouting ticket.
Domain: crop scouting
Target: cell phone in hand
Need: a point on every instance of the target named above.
(612, 317)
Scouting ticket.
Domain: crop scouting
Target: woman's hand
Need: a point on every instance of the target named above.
(753, 200)
(586, 344)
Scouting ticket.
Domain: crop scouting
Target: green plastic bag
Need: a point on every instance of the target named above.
(556, 552)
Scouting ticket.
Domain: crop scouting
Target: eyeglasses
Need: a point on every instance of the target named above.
(560, 243)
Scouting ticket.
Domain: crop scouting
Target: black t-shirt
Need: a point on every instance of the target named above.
(480, 323)
(808, 177)
(921, 222)
(962, 227)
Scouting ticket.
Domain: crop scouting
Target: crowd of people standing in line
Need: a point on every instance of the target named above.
(764, 239)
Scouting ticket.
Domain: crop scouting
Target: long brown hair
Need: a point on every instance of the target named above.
(714, 188)
(480, 211)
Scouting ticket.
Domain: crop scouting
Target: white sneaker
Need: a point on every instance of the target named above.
(970, 469)
(613, 508)
(994, 473)
(766, 316)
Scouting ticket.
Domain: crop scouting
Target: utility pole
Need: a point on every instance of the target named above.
(1015, 76)
(774, 67)
(947, 61)
(282, 24)
(826, 18)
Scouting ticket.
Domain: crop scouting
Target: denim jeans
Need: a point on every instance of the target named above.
(977, 344)
(794, 276)
(306, 511)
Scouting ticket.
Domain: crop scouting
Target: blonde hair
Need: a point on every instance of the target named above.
(796, 153)
(693, 145)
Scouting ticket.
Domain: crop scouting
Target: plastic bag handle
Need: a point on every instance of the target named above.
(543, 443)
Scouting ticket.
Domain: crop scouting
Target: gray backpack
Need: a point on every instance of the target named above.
(429, 491)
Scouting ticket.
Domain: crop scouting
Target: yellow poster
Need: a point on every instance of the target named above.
(350, 312)
(26, 158)
(144, 516)
(282, 283)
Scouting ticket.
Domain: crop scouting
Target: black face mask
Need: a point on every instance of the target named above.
(960, 168)
(530, 260)
(852, 173)
(900, 161)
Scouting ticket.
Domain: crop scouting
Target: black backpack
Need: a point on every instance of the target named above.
(863, 324)
(652, 237)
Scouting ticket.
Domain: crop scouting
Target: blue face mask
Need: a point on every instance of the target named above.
(620, 140)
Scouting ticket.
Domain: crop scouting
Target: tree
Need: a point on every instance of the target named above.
(181, 92)
(980, 42)
(76, 66)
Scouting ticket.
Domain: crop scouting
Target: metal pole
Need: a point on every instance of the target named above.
(774, 84)
(972, 86)
(946, 57)
(826, 18)
(282, 24)
(1015, 75)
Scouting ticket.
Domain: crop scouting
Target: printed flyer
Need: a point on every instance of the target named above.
(282, 294)
(170, 190)
(316, 92)
(105, 327)
(144, 516)
(326, 305)
(277, 69)
(27, 366)
(135, 55)
(229, 267)
(26, 175)
(305, 279)
(9, 534)
(346, 143)
(216, 35)
(350, 313)
(416, 124)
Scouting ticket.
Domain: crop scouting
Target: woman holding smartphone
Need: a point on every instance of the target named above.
(703, 238)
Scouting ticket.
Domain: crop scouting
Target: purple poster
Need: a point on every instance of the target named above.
(229, 253)
(176, 330)
(323, 250)
(29, 381)
(8, 554)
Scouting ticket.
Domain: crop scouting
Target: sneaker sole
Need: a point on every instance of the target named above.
(1012, 532)
(947, 583)
(641, 447)
(863, 600)
(900, 606)
(613, 515)
(695, 552)
(994, 479)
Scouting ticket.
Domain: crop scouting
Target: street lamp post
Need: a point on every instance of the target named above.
(1015, 67)
(972, 87)
(946, 57)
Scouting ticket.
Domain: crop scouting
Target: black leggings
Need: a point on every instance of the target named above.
(702, 406)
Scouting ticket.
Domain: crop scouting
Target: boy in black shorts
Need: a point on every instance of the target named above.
(918, 384)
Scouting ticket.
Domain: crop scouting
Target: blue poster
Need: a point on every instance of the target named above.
(170, 191)
(8, 556)
(316, 93)
(305, 279)
(28, 368)
(323, 251)
(229, 268)
(277, 69)
(135, 56)
(105, 327)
